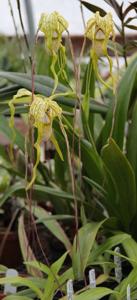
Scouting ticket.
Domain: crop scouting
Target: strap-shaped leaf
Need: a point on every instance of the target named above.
(131, 6)
(6, 130)
(115, 5)
(124, 178)
(111, 242)
(39, 192)
(94, 8)
(94, 294)
(43, 88)
(26, 250)
(82, 246)
(126, 87)
(53, 225)
(131, 145)
(124, 96)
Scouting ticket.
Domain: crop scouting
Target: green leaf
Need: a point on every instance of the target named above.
(131, 145)
(130, 246)
(92, 163)
(123, 176)
(123, 98)
(122, 287)
(53, 269)
(56, 266)
(108, 244)
(3, 269)
(66, 276)
(114, 253)
(43, 79)
(82, 246)
(87, 130)
(94, 294)
(52, 283)
(8, 91)
(94, 8)
(6, 130)
(22, 282)
(39, 192)
(88, 88)
(41, 88)
(38, 265)
(17, 297)
(55, 217)
(94, 184)
(52, 225)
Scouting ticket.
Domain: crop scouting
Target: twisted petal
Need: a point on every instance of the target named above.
(42, 113)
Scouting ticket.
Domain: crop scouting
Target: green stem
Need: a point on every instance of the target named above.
(124, 43)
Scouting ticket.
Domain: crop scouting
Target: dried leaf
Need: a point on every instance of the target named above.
(26, 250)
(94, 8)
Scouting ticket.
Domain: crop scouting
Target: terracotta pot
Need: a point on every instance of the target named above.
(10, 255)
(2, 296)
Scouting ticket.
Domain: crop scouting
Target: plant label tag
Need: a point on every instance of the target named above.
(92, 278)
(70, 291)
(128, 292)
(118, 265)
(8, 288)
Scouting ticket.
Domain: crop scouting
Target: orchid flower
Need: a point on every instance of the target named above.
(42, 112)
(99, 30)
(53, 25)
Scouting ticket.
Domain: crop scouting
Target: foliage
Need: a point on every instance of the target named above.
(94, 187)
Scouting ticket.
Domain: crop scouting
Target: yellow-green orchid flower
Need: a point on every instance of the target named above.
(53, 25)
(99, 30)
(42, 112)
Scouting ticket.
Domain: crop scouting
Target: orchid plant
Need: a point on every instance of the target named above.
(103, 157)
(43, 110)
